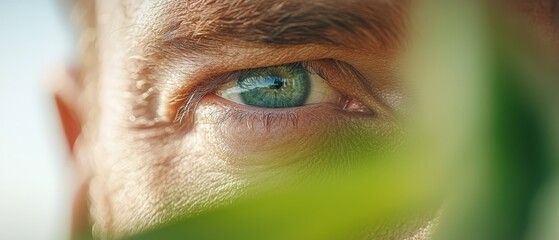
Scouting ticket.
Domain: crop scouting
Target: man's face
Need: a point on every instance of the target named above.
(197, 99)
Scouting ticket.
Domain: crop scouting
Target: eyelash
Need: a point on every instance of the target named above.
(263, 117)
(186, 111)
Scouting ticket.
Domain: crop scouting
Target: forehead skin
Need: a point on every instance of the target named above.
(148, 168)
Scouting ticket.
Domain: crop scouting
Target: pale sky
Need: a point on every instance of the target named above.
(34, 179)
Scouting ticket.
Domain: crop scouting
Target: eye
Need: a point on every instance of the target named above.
(282, 114)
(282, 86)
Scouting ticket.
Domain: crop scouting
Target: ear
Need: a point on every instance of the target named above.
(65, 85)
(65, 88)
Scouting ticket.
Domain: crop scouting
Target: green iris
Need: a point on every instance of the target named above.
(275, 87)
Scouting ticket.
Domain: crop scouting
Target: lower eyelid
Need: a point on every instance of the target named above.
(225, 110)
(252, 136)
(231, 111)
(249, 136)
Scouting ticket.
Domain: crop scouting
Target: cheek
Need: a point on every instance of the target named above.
(143, 182)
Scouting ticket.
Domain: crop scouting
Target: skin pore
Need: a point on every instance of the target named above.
(162, 144)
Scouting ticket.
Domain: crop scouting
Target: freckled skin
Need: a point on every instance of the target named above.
(149, 169)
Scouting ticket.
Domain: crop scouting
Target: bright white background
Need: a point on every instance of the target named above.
(35, 183)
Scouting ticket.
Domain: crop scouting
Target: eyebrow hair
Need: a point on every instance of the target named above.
(198, 25)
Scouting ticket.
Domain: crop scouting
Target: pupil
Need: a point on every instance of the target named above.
(278, 84)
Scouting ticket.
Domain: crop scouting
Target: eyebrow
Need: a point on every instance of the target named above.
(201, 25)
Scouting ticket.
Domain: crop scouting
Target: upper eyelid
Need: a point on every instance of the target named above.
(199, 91)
